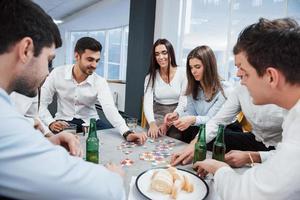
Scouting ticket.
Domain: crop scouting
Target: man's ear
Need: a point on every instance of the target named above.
(272, 75)
(77, 56)
(26, 49)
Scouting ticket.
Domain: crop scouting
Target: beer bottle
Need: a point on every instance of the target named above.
(200, 145)
(92, 143)
(219, 145)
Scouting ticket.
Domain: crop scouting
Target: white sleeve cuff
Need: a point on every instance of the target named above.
(198, 121)
(122, 129)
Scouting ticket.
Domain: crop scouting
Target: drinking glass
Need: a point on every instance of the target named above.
(85, 128)
(72, 128)
(131, 123)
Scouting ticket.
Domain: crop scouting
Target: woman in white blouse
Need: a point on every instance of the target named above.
(165, 86)
(205, 94)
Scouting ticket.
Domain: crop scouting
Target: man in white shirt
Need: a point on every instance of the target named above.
(31, 167)
(78, 89)
(267, 57)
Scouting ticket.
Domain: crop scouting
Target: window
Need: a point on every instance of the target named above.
(113, 60)
(217, 23)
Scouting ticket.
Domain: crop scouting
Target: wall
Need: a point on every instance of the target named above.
(119, 88)
(167, 22)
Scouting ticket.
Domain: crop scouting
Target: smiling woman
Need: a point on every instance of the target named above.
(164, 88)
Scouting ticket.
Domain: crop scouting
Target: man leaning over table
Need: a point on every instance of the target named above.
(31, 167)
(267, 55)
(265, 120)
(78, 89)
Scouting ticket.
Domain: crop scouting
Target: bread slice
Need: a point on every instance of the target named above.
(162, 181)
(188, 186)
(170, 181)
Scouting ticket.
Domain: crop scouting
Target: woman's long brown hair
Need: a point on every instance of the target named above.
(211, 80)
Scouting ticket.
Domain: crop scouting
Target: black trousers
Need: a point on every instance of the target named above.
(234, 137)
(185, 136)
(99, 123)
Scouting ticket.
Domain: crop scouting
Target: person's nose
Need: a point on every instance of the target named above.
(94, 64)
(160, 56)
(193, 71)
(239, 73)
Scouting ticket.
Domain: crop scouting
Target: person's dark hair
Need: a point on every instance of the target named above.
(211, 80)
(272, 43)
(87, 43)
(19, 19)
(153, 62)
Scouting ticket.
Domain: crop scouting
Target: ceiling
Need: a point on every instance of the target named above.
(61, 9)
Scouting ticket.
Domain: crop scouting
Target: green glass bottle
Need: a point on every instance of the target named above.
(219, 147)
(92, 143)
(200, 145)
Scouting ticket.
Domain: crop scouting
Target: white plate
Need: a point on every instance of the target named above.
(143, 182)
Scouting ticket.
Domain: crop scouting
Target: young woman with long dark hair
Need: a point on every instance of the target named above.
(165, 87)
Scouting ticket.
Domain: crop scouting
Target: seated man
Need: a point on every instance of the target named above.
(266, 121)
(267, 56)
(28, 107)
(78, 89)
(30, 166)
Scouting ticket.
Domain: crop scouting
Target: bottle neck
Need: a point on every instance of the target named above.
(220, 136)
(202, 135)
(93, 129)
(200, 131)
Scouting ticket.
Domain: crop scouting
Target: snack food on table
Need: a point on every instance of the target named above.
(170, 181)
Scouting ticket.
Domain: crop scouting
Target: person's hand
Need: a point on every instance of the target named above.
(183, 157)
(137, 137)
(236, 158)
(163, 129)
(184, 122)
(208, 166)
(170, 118)
(38, 125)
(69, 142)
(153, 130)
(115, 168)
(58, 126)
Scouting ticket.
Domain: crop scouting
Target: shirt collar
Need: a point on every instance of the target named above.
(5, 96)
(68, 72)
(90, 79)
(69, 75)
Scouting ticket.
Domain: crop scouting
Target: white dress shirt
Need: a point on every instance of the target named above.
(276, 178)
(77, 100)
(164, 93)
(28, 107)
(32, 168)
(266, 120)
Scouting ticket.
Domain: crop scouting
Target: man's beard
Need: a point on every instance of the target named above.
(23, 86)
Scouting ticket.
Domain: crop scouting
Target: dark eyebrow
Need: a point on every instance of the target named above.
(163, 51)
(93, 58)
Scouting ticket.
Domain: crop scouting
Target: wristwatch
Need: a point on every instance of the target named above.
(127, 133)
